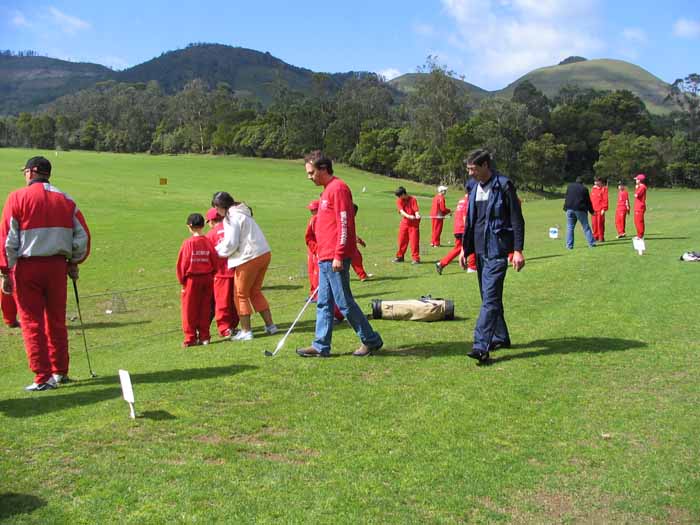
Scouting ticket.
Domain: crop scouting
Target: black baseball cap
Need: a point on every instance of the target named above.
(42, 165)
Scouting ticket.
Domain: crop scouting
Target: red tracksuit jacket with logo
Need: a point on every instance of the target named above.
(335, 223)
(197, 257)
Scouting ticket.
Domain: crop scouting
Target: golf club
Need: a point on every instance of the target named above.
(82, 328)
(284, 338)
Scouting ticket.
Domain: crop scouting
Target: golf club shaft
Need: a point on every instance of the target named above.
(291, 327)
(82, 327)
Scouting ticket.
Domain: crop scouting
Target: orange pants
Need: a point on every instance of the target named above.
(248, 285)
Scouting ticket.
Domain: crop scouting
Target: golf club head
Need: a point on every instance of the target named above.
(268, 353)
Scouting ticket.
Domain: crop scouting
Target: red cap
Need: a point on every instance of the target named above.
(313, 206)
(212, 214)
(641, 177)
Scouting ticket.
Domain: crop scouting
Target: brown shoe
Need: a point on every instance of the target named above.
(363, 351)
(310, 351)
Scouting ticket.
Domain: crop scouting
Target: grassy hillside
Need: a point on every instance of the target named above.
(28, 82)
(603, 74)
(590, 418)
(406, 84)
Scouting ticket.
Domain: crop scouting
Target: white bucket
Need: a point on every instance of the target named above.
(554, 232)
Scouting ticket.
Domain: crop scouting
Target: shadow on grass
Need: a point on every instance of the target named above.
(12, 503)
(38, 403)
(530, 259)
(383, 278)
(283, 287)
(107, 324)
(157, 415)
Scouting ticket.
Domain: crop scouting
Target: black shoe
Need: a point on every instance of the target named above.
(438, 268)
(310, 351)
(499, 345)
(397, 259)
(479, 355)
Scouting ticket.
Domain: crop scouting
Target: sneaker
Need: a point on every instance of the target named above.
(40, 387)
(310, 351)
(205, 342)
(242, 336)
(271, 329)
(227, 333)
(365, 350)
(61, 379)
(397, 259)
(416, 261)
(471, 270)
(438, 268)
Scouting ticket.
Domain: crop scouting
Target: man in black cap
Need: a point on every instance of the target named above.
(43, 237)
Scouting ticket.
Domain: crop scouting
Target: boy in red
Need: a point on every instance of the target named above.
(640, 203)
(356, 261)
(196, 264)
(9, 306)
(310, 238)
(460, 217)
(409, 228)
(438, 212)
(622, 210)
(224, 307)
(599, 199)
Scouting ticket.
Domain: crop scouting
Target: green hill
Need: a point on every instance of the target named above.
(602, 74)
(407, 83)
(28, 82)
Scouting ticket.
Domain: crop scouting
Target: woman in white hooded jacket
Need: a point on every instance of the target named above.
(249, 253)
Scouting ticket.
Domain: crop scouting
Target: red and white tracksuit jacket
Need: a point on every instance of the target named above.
(312, 261)
(196, 264)
(640, 208)
(42, 230)
(409, 229)
(438, 210)
(224, 308)
(599, 199)
(622, 211)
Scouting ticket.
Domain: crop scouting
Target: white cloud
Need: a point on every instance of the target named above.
(390, 73)
(505, 39)
(635, 34)
(19, 20)
(686, 28)
(68, 24)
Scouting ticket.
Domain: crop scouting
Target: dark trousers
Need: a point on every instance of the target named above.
(491, 328)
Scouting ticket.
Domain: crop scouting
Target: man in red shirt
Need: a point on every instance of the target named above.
(438, 212)
(335, 246)
(196, 264)
(599, 199)
(43, 236)
(640, 203)
(409, 228)
(224, 306)
(622, 210)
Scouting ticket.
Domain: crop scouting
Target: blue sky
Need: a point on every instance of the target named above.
(490, 42)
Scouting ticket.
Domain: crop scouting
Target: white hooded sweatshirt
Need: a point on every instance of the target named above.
(243, 239)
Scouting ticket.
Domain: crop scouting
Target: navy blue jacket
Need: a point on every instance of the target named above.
(505, 227)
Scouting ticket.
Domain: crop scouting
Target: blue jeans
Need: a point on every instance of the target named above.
(334, 289)
(571, 217)
(491, 328)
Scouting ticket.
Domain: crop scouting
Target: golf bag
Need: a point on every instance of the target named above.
(424, 309)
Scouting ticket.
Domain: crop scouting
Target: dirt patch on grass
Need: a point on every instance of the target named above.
(678, 516)
(277, 458)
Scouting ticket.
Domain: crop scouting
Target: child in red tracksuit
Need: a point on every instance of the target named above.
(196, 264)
(460, 217)
(622, 210)
(356, 261)
(310, 239)
(224, 308)
(599, 200)
(409, 228)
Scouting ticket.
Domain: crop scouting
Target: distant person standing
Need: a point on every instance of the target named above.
(577, 206)
(336, 244)
(599, 201)
(409, 228)
(640, 203)
(44, 237)
(494, 228)
(622, 210)
(438, 212)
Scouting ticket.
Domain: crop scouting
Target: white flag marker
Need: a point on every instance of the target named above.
(127, 391)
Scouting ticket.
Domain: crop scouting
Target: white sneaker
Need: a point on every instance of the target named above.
(205, 342)
(271, 329)
(242, 336)
(38, 387)
(470, 270)
(60, 379)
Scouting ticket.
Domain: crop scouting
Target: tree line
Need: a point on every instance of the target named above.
(424, 135)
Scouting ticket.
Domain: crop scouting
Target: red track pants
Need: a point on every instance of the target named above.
(455, 252)
(639, 222)
(41, 299)
(312, 266)
(598, 226)
(196, 304)
(9, 306)
(224, 309)
(436, 231)
(620, 222)
(409, 233)
(356, 263)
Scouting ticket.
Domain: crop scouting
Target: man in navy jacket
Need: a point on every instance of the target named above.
(494, 228)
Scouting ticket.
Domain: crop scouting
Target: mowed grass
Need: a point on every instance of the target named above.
(592, 417)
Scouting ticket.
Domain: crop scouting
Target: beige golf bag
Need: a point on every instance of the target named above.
(424, 309)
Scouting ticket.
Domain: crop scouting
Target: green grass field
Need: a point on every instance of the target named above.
(592, 417)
